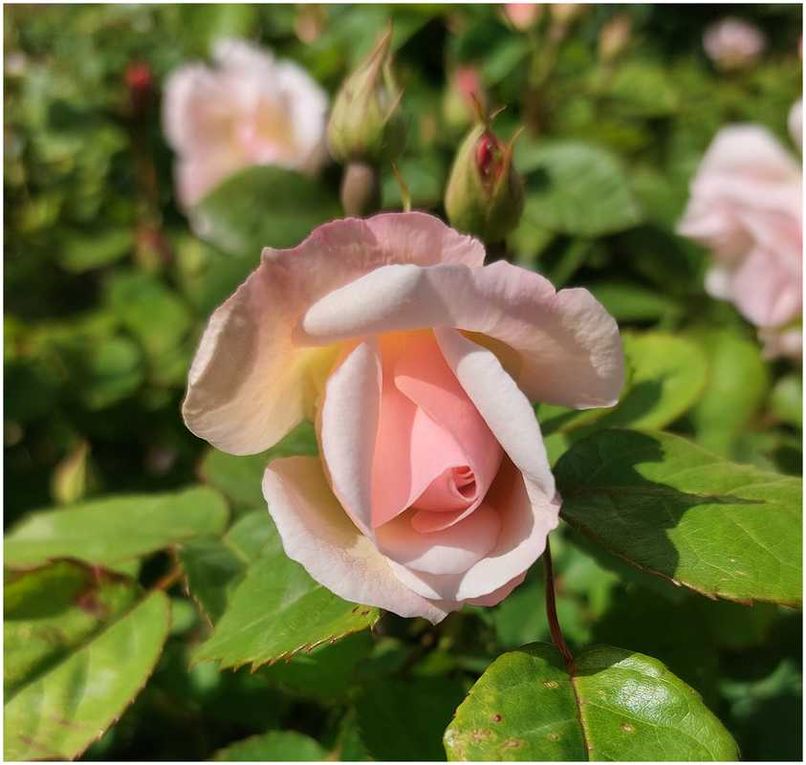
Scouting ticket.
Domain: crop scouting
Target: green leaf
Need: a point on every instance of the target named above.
(101, 248)
(626, 301)
(670, 508)
(263, 207)
(666, 376)
(274, 746)
(404, 720)
(49, 612)
(736, 387)
(240, 479)
(214, 566)
(617, 705)
(786, 400)
(575, 188)
(61, 712)
(276, 611)
(107, 531)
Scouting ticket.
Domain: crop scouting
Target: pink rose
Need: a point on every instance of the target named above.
(745, 207)
(249, 110)
(523, 16)
(418, 364)
(733, 44)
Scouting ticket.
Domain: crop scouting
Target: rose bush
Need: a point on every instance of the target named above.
(745, 207)
(418, 364)
(249, 110)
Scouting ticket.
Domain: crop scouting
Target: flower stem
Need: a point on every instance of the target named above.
(551, 612)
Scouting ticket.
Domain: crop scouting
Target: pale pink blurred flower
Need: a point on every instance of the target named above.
(418, 364)
(745, 207)
(733, 44)
(523, 16)
(248, 109)
(795, 123)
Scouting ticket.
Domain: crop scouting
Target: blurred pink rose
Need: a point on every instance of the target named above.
(418, 365)
(250, 109)
(795, 123)
(745, 207)
(523, 16)
(733, 44)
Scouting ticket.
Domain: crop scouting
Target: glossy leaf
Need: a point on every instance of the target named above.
(670, 508)
(274, 746)
(617, 705)
(575, 188)
(263, 207)
(276, 611)
(106, 531)
(59, 713)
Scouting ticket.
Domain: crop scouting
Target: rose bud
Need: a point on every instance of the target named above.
(484, 194)
(523, 16)
(366, 124)
(733, 44)
(420, 367)
(140, 83)
(614, 37)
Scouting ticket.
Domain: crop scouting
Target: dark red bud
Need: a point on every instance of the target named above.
(488, 155)
(139, 80)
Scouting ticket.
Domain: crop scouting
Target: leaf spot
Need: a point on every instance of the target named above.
(553, 736)
(551, 684)
(627, 727)
(512, 743)
(497, 717)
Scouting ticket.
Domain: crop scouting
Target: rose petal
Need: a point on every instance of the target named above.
(317, 533)
(495, 597)
(525, 525)
(249, 384)
(452, 550)
(349, 424)
(567, 347)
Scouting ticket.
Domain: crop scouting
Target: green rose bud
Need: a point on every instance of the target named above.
(366, 124)
(484, 195)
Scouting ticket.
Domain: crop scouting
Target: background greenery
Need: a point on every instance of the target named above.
(144, 537)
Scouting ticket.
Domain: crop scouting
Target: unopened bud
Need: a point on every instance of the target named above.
(614, 37)
(71, 477)
(366, 124)
(140, 82)
(484, 195)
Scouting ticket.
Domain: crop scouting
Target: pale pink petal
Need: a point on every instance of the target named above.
(562, 347)
(250, 383)
(494, 598)
(195, 179)
(349, 424)
(449, 551)
(766, 293)
(317, 533)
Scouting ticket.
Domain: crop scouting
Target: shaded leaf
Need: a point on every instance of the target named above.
(670, 508)
(61, 712)
(617, 705)
(105, 531)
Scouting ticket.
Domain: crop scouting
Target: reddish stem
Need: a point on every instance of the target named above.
(551, 612)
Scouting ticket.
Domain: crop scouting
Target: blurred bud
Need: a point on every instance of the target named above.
(71, 478)
(733, 44)
(614, 37)
(566, 13)
(140, 82)
(523, 16)
(463, 98)
(366, 124)
(360, 190)
(310, 22)
(484, 194)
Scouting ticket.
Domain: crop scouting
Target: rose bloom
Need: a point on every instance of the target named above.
(745, 207)
(523, 16)
(418, 364)
(250, 109)
(733, 44)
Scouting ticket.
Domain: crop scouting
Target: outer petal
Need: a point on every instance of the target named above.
(348, 428)
(317, 534)
(766, 291)
(249, 383)
(566, 347)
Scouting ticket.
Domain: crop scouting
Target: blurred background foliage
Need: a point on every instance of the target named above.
(107, 289)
